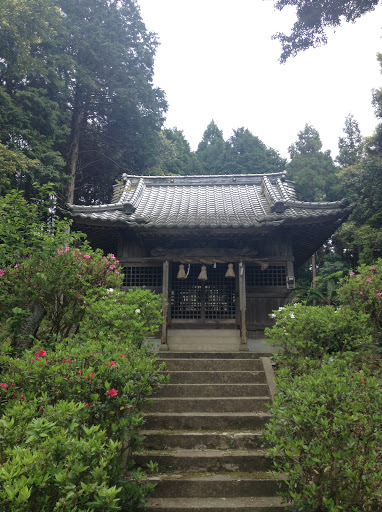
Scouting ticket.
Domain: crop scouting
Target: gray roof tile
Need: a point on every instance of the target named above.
(204, 201)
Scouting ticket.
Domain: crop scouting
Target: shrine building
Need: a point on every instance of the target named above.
(221, 249)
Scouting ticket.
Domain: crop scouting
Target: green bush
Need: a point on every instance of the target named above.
(362, 291)
(71, 418)
(136, 313)
(303, 334)
(326, 436)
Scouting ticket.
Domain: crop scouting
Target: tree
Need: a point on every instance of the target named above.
(32, 121)
(351, 146)
(175, 156)
(360, 239)
(313, 170)
(313, 18)
(115, 110)
(76, 92)
(211, 149)
(247, 154)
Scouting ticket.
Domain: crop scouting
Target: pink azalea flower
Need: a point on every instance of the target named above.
(64, 360)
(351, 274)
(92, 374)
(112, 392)
(88, 404)
(79, 372)
(14, 395)
(22, 397)
(371, 268)
(369, 279)
(41, 353)
(2, 272)
(361, 293)
(379, 294)
(87, 256)
(112, 363)
(3, 385)
(122, 355)
(112, 267)
(112, 256)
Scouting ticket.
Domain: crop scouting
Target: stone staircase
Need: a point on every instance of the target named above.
(203, 429)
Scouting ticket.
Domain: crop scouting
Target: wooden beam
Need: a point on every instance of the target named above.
(165, 293)
(243, 308)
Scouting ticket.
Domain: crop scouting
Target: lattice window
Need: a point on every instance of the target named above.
(192, 299)
(274, 275)
(149, 277)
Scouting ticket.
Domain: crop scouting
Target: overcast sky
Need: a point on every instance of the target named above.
(216, 60)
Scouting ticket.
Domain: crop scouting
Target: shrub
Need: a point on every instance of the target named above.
(71, 418)
(326, 436)
(136, 313)
(362, 291)
(305, 334)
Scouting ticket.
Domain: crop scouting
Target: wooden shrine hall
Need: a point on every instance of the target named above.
(222, 249)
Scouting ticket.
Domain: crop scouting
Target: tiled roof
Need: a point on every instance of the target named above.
(235, 201)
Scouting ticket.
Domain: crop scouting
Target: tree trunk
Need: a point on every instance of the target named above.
(314, 275)
(78, 118)
(23, 339)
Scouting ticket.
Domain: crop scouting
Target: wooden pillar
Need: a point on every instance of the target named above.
(165, 293)
(243, 307)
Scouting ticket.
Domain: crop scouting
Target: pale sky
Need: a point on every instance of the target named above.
(216, 60)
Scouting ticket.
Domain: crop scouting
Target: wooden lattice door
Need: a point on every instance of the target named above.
(203, 301)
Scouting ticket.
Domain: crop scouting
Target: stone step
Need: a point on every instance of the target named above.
(213, 390)
(209, 421)
(211, 355)
(217, 377)
(212, 364)
(252, 504)
(208, 405)
(216, 485)
(195, 461)
(165, 439)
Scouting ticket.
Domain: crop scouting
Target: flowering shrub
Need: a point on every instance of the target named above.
(362, 290)
(304, 333)
(58, 282)
(326, 436)
(70, 420)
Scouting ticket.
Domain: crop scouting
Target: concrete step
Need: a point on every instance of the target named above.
(213, 390)
(209, 421)
(196, 461)
(204, 340)
(234, 440)
(215, 485)
(212, 355)
(252, 504)
(208, 405)
(210, 364)
(216, 377)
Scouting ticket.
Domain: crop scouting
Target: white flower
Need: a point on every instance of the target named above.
(110, 290)
(273, 315)
(137, 311)
(281, 308)
(291, 314)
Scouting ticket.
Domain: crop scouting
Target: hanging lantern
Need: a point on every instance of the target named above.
(230, 271)
(203, 273)
(181, 273)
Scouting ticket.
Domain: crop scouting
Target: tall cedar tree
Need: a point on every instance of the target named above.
(77, 93)
(313, 170)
